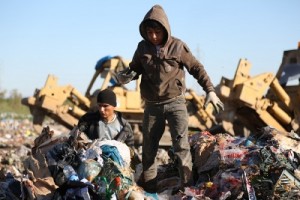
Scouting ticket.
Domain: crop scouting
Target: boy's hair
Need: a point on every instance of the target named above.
(152, 24)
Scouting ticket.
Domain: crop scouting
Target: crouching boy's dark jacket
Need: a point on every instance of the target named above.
(89, 124)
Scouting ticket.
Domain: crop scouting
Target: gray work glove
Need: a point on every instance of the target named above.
(214, 99)
(125, 76)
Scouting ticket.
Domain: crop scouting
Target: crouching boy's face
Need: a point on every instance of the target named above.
(106, 111)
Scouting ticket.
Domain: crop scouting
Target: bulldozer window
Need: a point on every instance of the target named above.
(290, 74)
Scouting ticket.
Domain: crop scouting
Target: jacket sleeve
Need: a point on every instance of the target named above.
(126, 134)
(82, 123)
(135, 64)
(196, 69)
(130, 138)
(88, 124)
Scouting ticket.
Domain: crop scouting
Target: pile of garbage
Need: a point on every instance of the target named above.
(71, 166)
(264, 165)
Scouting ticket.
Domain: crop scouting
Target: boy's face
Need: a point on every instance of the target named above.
(155, 35)
(106, 111)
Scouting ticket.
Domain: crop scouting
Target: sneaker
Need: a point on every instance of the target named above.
(177, 190)
(149, 186)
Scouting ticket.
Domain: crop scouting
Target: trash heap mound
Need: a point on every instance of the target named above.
(264, 165)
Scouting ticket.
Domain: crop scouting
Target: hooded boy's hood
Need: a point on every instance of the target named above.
(158, 14)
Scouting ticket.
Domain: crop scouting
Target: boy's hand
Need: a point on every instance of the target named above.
(125, 76)
(214, 99)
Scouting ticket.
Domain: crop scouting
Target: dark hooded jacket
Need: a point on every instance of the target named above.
(89, 124)
(163, 76)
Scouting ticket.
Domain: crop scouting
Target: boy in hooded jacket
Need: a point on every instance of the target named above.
(160, 59)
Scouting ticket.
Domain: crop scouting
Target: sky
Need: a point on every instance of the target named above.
(67, 38)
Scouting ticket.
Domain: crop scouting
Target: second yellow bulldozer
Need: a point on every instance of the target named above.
(252, 102)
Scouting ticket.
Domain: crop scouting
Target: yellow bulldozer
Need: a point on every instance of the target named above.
(252, 102)
(65, 104)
